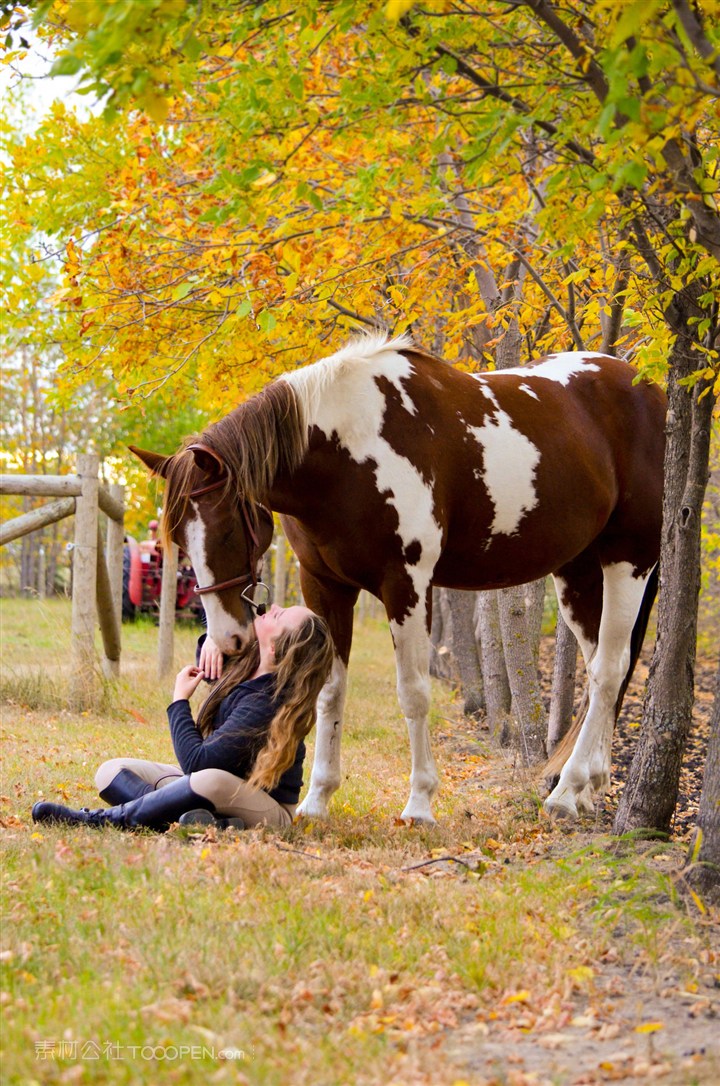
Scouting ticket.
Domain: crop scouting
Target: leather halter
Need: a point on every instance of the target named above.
(250, 577)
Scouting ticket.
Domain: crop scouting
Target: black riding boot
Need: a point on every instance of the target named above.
(209, 818)
(125, 786)
(156, 810)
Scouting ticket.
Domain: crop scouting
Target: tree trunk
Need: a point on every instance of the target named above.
(495, 680)
(522, 675)
(535, 610)
(562, 697)
(465, 650)
(650, 794)
(704, 854)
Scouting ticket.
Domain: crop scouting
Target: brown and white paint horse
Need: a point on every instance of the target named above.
(393, 472)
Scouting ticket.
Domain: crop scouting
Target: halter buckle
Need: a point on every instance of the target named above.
(258, 608)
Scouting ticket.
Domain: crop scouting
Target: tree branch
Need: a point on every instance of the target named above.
(517, 104)
(690, 22)
(378, 325)
(592, 73)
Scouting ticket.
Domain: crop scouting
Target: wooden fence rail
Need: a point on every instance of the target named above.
(97, 567)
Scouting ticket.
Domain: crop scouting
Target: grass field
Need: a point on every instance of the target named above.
(496, 948)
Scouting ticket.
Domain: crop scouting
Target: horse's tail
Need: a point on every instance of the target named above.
(564, 748)
(639, 631)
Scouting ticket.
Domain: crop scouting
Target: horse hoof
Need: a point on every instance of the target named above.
(586, 801)
(424, 818)
(315, 811)
(561, 808)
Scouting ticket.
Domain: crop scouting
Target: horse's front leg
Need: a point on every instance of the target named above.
(335, 603)
(413, 685)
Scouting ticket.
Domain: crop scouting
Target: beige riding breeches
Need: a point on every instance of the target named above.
(231, 796)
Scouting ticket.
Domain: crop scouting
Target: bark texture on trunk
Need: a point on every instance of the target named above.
(465, 650)
(704, 854)
(495, 680)
(650, 794)
(522, 675)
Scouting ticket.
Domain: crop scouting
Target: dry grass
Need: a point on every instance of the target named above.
(359, 951)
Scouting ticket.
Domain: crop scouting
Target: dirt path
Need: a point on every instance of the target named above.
(625, 1031)
(625, 1021)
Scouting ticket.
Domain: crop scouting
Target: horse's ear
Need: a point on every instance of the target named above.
(207, 459)
(155, 461)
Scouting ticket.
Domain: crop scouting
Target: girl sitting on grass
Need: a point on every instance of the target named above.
(241, 764)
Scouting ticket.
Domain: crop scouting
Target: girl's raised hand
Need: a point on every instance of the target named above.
(211, 659)
(187, 682)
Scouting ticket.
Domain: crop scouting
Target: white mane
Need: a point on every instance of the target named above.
(363, 354)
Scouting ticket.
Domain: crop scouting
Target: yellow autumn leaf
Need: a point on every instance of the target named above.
(57, 296)
(522, 996)
(292, 257)
(649, 1027)
(397, 212)
(155, 106)
(265, 178)
(290, 284)
(395, 9)
(582, 974)
(698, 901)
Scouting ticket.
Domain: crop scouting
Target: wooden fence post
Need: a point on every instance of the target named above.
(168, 598)
(82, 678)
(41, 573)
(114, 546)
(109, 626)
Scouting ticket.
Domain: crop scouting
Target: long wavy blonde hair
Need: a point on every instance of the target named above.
(303, 661)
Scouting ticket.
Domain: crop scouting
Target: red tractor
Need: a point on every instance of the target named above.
(142, 579)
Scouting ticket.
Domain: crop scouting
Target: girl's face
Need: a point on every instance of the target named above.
(278, 620)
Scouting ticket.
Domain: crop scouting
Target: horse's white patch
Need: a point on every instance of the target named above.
(509, 463)
(340, 396)
(530, 392)
(481, 379)
(222, 626)
(559, 367)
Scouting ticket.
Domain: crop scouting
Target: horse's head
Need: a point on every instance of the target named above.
(223, 534)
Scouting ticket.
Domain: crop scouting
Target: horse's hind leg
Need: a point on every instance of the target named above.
(588, 768)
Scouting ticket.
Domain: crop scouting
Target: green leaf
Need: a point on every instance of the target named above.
(630, 173)
(635, 15)
(266, 321)
(181, 291)
(68, 64)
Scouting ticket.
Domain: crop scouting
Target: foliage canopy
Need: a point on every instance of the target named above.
(265, 177)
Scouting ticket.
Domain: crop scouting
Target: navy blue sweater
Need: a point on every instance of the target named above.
(242, 722)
